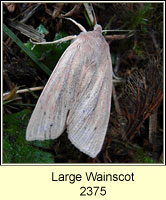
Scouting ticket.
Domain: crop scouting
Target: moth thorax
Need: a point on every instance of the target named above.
(98, 28)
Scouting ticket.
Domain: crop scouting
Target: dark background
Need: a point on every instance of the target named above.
(135, 131)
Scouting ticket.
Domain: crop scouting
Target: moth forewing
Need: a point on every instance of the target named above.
(88, 128)
(49, 116)
(77, 95)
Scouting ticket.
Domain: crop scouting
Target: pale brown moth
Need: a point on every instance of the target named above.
(77, 96)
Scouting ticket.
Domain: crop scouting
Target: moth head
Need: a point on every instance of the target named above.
(98, 28)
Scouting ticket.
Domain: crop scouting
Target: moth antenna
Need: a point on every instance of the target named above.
(116, 30)
(57, 41)
(90, 12)
(77, 24)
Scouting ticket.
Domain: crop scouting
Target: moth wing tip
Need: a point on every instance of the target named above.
(33, 137)
(92, 154)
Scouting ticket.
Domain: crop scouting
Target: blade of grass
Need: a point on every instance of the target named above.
(23, 104)
(27, 51)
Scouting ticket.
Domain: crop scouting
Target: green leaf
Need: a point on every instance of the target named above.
(139, 19)
(42, 29)
(141, 157)
(50, 52)
(87, 19)
(113, 58)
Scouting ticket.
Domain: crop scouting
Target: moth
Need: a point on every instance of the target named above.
(77, 96)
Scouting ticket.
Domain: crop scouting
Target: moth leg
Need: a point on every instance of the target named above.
(57, 41)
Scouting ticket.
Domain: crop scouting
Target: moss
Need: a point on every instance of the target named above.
(15, 148)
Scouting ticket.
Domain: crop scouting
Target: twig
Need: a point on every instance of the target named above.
(25, 90)
(70, 13)
(117, 107)
(90, 12)
(152, 126)
(28, 31)
(115, 37)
